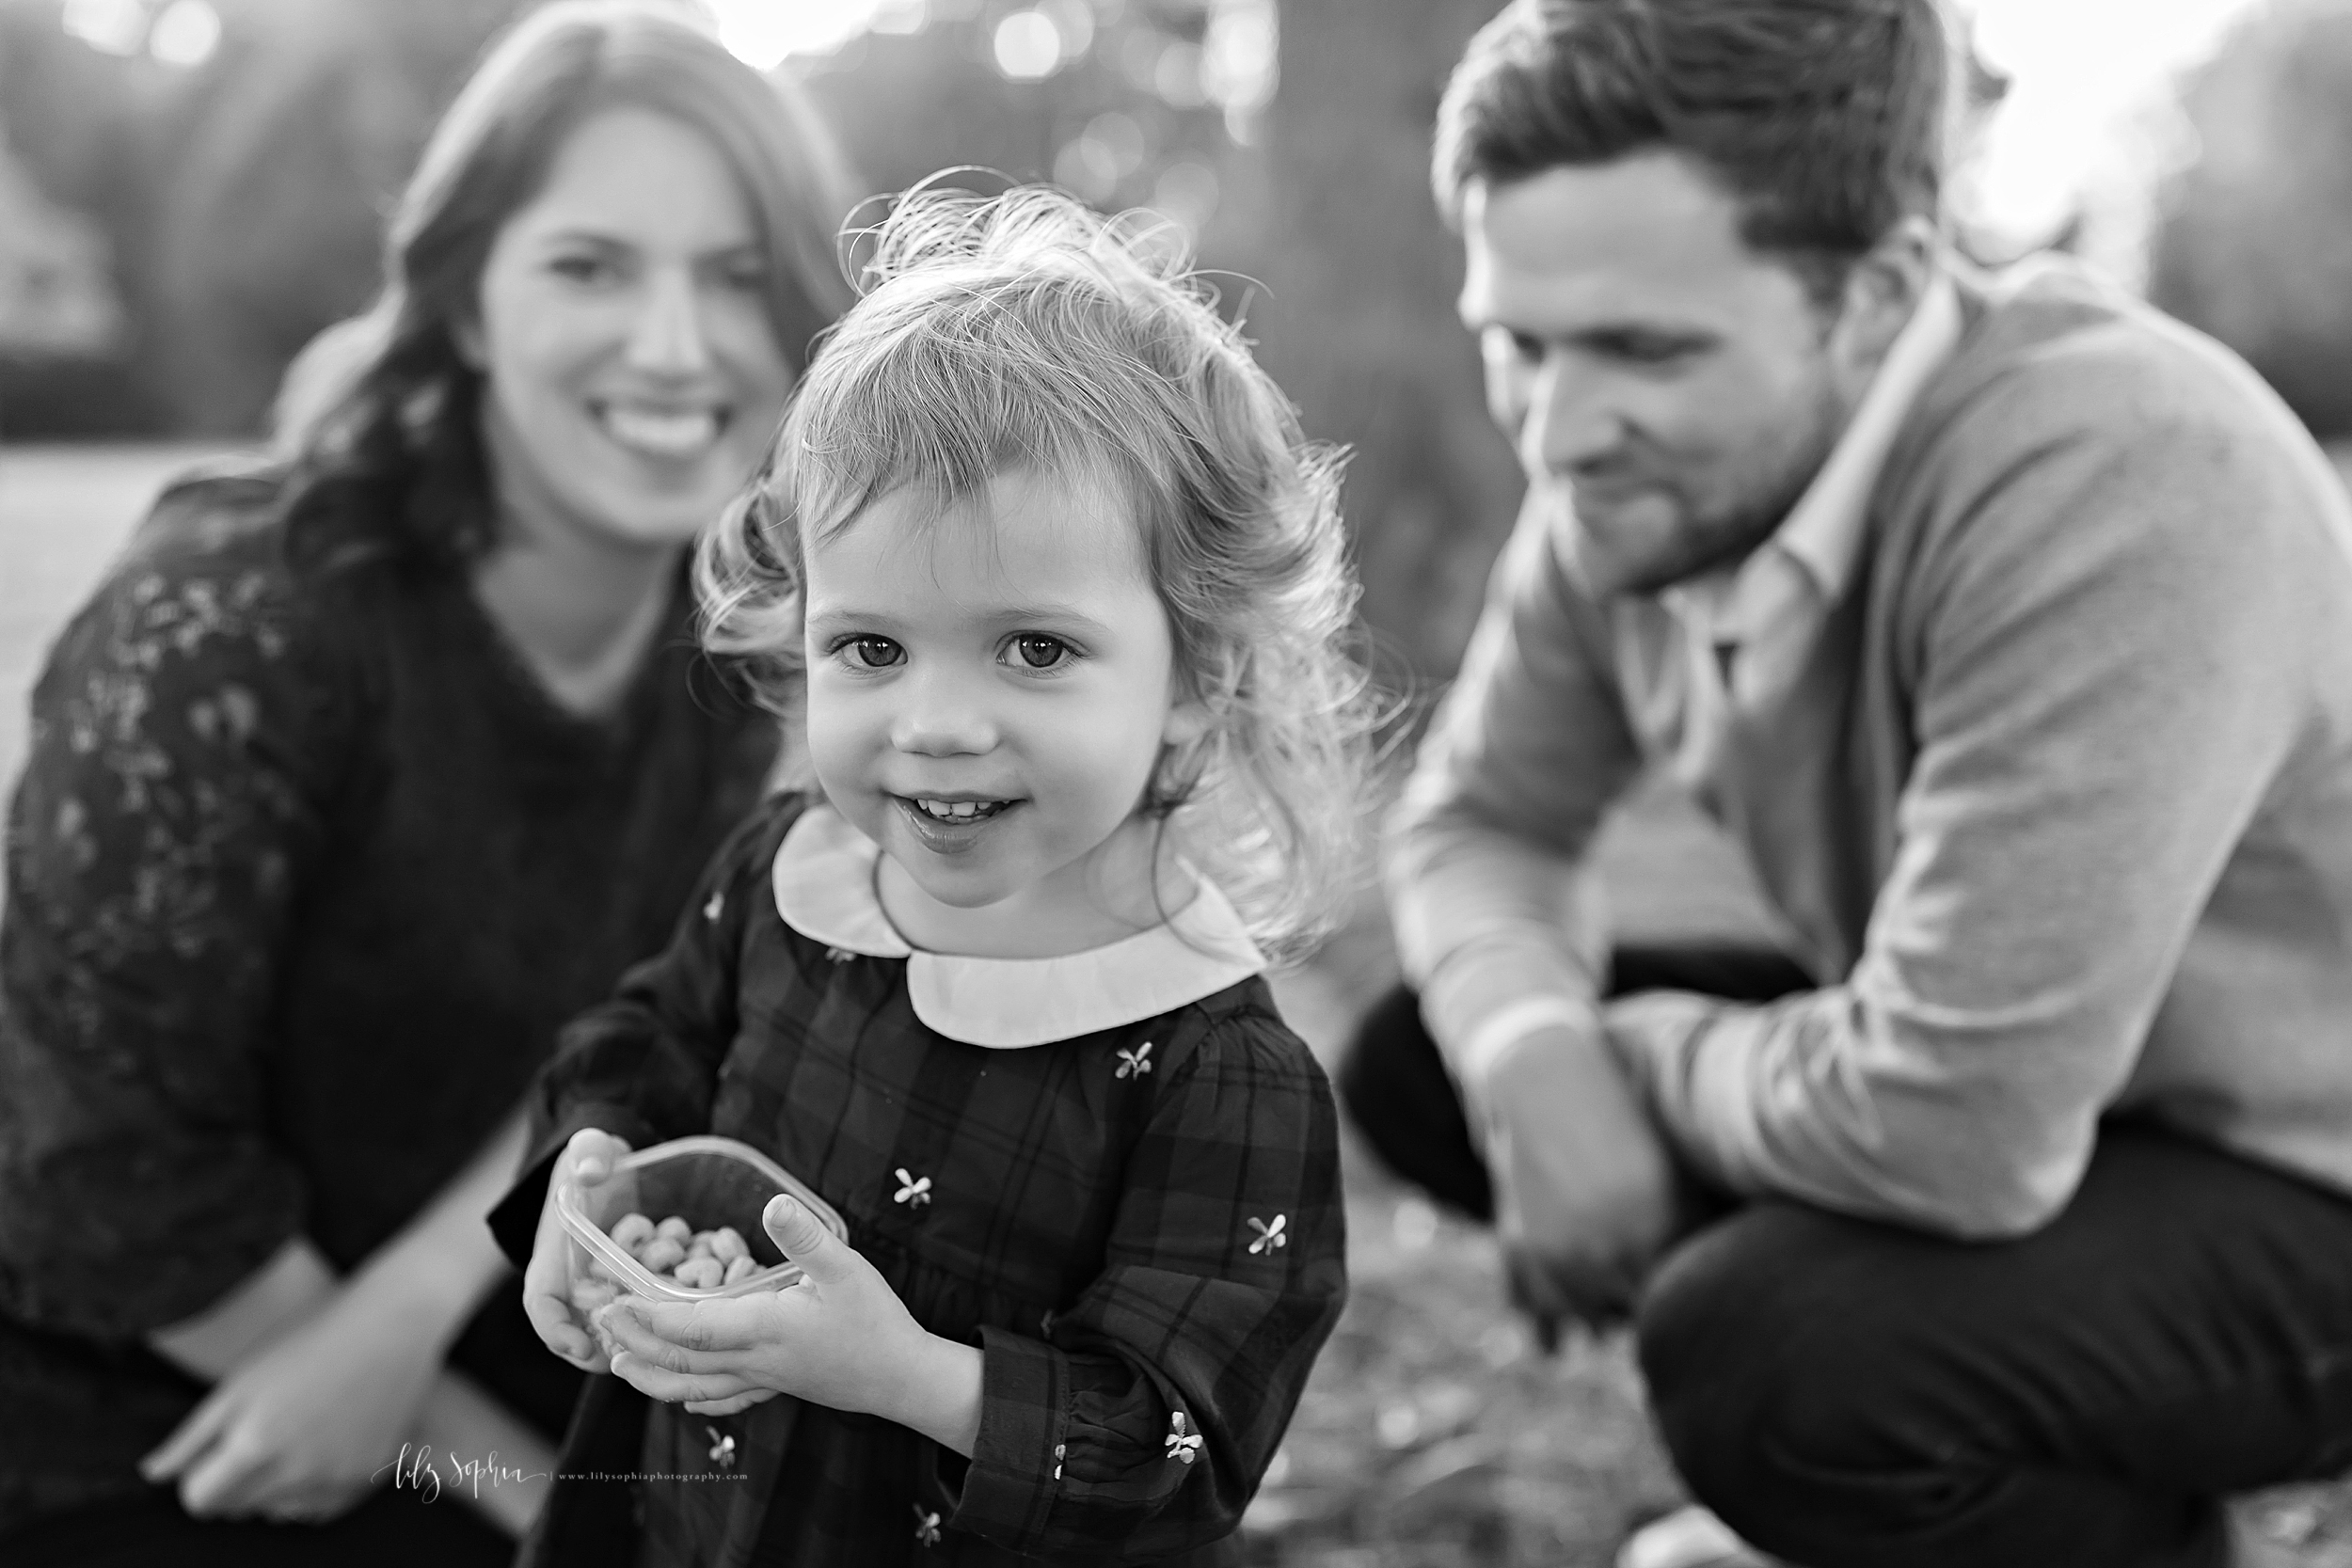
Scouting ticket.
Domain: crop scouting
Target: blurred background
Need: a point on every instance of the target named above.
(189, 189)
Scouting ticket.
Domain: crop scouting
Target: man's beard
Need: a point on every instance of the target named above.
(1721, 539)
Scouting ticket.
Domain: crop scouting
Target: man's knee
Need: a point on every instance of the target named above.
(1768, 1378)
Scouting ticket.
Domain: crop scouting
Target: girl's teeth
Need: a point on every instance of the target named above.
(954, 811)
(662, 435)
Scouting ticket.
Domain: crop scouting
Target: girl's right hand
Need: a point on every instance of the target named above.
(588, 1159)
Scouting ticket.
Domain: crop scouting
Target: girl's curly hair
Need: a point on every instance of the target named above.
(1024, 331)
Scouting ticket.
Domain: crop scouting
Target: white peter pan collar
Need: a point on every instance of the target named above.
(823, 878)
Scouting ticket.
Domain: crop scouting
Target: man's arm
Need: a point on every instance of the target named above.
(2109, 672)
(1498, 910)
(1499, 920)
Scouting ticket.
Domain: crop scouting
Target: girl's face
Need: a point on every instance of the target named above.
(633, 377)
(989, 691)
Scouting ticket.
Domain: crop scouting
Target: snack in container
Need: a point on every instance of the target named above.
(706, 1181)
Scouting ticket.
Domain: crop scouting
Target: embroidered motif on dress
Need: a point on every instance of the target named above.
(721, 1449)
(1270, 1237)
(1060, 1448)
(913, 1191)
(1136, 1062)
(926, 1526)
(1183, 1446)
(718, 902)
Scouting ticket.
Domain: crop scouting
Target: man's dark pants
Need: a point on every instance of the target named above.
(1852, 1395)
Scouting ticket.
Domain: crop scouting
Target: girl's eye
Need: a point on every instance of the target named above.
(1039, 652)
(874, 653)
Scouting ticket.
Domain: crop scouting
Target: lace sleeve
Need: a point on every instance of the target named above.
(165, 819)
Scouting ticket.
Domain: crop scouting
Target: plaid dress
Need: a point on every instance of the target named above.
(1140, 1226)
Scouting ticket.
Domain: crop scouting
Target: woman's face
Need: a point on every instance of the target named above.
(632, 379)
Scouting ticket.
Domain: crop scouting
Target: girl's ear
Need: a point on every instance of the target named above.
(465, 334)
(1187, 721)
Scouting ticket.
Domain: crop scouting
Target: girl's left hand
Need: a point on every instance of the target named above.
(840, 1336)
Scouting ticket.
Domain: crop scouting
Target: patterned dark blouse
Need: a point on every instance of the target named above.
(303, 877)
(1141, 1227)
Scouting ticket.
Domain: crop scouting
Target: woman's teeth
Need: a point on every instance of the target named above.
(961, 811)
(662, 433)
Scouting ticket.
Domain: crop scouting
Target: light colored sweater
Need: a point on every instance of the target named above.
(2057, 799)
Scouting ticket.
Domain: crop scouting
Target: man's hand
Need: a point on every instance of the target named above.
(303, 1430)
(1585, 1188)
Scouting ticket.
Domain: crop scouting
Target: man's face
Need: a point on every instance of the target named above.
(1677, 382)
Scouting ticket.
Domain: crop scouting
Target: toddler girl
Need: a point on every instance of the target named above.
(1046, 569)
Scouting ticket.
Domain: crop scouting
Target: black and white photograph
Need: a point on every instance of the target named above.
(1210, 784)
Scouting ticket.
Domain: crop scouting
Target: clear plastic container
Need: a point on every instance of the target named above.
(706, 1181)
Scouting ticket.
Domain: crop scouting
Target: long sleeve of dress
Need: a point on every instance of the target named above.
(643, 1066)
(1141, 1426)
(182, 745)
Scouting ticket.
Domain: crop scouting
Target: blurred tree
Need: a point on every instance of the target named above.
(242, 192)
(57, 290)
(1358, 319)
(1114, 103)
(2253, 237)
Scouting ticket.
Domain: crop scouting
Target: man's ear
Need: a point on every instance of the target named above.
(1881, 291)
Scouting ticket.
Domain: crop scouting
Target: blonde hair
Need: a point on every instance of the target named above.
(1025, 331)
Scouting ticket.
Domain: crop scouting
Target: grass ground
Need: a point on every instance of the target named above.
(1433, 1434)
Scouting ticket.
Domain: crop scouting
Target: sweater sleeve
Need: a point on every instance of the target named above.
(2105, 682)
(1140, 1426)
(169, 815)
(1497, 907)
(644, 1065)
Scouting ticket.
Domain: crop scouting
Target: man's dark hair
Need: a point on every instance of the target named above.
(1825, 119)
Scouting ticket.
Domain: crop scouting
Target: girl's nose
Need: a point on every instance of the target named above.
(942, 718)
(667, 336)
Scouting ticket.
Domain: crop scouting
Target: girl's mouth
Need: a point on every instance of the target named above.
(957, 811)
(949, 827)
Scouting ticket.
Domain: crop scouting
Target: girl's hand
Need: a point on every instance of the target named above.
(840, 1337)
(302, 1429)
(587, 1158)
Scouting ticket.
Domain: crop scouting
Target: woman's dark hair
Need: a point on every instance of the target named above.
(377, 415)
(1826, 119)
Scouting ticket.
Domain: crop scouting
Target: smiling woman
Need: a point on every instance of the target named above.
(365, 769)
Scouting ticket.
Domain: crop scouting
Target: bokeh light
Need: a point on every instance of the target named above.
(761, 32)
(110, 26)
(1028, 46)
(1186, 192)
(2086, 77)
(185, 33)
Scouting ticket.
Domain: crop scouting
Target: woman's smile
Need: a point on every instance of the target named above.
(676, 434)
